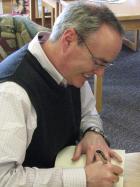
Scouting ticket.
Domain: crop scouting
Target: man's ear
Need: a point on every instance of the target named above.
(68, 37)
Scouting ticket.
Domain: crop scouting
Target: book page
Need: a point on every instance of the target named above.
(64, 160)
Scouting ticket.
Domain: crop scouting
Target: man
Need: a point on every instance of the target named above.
(45, 100)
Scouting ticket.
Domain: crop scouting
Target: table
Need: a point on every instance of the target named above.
(132, 170)
(128, 13)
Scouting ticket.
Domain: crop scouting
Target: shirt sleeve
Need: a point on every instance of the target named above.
(90, 117)
(17, 124)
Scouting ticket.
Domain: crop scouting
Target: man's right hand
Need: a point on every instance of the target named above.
(102, 175)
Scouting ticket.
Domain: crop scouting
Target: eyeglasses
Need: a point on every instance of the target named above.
(98, 62)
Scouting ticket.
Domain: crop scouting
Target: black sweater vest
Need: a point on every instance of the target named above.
(58, 109)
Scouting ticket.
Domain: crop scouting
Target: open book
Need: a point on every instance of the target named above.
(64, 160)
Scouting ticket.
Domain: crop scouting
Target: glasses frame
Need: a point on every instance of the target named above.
(98, 62)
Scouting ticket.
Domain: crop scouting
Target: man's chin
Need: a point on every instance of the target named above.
(79, 84)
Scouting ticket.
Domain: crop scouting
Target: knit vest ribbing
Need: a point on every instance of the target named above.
(58, 109)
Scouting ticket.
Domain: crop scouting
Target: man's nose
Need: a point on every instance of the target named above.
(99, 72)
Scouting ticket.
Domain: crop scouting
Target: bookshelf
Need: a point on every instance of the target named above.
(15, 7)
(36, 9)
(31, 8)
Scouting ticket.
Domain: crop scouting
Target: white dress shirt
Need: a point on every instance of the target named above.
(17, 125)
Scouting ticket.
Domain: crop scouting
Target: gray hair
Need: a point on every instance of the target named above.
(85, 18)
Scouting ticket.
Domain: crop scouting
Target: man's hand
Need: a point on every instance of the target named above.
(89, 144)
(102, 175)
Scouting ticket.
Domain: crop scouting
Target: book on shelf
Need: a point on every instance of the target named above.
(64, 160)
(1, 7)
(20, 7)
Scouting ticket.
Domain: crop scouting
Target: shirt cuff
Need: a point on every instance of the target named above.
(74, 177)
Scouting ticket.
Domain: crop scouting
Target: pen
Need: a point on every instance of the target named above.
(102, 156)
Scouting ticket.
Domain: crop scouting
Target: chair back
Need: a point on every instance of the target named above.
(16, 31)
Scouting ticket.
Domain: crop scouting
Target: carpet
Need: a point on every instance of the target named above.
(121, 101)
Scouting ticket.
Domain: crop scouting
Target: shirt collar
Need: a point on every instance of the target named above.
(37, 51)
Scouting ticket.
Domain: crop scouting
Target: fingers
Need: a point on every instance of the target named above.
(115, 155)
(115, 178)
(97, 157)
(90, 154)
(117, 170)
(99, 174)
(113, 172)
(77, 152)
(112, 154)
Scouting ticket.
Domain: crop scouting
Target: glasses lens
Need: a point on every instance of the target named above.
(100, 63)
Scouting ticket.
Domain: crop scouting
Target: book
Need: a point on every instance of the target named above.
(1, 7)
(64, 160)
(20, 7)
(108, 1)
